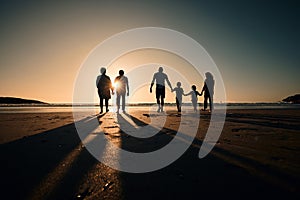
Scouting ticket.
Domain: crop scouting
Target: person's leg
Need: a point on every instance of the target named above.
(158, 94)
(101, 104)
(180, 103)
(123, 102)
(158, 104)
(194, 103)
(177, 104)
(163, 91)
(205, 102)
(118, 102)
(211, 103)
(106, 104)
(162, 104)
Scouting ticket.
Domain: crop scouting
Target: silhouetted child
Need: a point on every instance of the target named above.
(194, 93)
(179, 93)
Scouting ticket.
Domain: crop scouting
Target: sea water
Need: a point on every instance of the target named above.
(53, 108)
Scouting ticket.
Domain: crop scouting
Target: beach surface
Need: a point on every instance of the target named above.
(256, 156)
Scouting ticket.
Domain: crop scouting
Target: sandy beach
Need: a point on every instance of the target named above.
(257, 156)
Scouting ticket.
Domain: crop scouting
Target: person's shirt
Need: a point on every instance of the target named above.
(103, 82)
(208, 87)
(179, 92)
(160, 78)
(194, 94)
(122, 84)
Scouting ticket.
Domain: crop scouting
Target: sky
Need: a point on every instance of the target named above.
(255, 44)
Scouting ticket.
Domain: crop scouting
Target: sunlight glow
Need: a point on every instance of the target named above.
(115, 85)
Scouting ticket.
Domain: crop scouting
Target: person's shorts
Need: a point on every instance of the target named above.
(160, 92)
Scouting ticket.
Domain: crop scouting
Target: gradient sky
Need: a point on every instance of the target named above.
(255, 44)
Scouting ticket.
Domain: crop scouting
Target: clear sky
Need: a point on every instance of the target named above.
(255, 44)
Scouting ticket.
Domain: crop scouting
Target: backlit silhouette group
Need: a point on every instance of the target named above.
(121, 87)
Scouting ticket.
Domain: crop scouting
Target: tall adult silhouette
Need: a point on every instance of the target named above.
(160, 78)
(121, 85)
(104, 86)
(208, 89)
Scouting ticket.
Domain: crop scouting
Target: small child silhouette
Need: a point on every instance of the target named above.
(194, 93)
(179, 93)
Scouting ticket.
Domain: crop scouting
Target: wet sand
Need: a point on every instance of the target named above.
(257, 156)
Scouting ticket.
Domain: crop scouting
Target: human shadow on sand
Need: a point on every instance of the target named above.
(191, 177)
(49, 165)
(54, 164)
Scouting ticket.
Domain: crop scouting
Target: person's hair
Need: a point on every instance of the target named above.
(121, 72)
(102, 70)
(160, 69)
(178, 84)
(194, 87)
(209, 75)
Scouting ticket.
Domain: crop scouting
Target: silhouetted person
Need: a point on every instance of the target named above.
(208, 90)
(160, 78)
(121, 84)
(104, 86)
(179, 93)
(194, 94)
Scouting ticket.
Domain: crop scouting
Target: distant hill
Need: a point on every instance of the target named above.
(14, 100)
(293, 99)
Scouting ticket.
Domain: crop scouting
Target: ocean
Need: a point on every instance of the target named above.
(90, 108)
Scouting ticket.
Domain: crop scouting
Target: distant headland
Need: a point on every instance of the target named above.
(14, 100)
(293, 99)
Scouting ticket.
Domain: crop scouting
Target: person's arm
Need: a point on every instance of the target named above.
(188, 93)
(182, 92)
(203, 88)
(97, 81)
(167, 79)
(127, 86)
(152, 83)
(111, 86)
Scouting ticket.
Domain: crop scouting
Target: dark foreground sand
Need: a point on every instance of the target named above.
(257, 156)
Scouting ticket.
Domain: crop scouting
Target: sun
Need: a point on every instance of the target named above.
(115, 85)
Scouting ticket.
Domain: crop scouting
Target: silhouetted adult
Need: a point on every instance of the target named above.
(208, 90)
(160, 78)
(121, 85)
(104, 86)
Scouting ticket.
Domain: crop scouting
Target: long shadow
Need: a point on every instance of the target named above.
(42, 163)
(140, 145)
(211, 177)
(28, 162)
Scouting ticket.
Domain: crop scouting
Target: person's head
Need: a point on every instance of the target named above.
(121, 72)
(194, 87)
(102, 70)
(160, 69)
(209, 75)
(178, 84)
